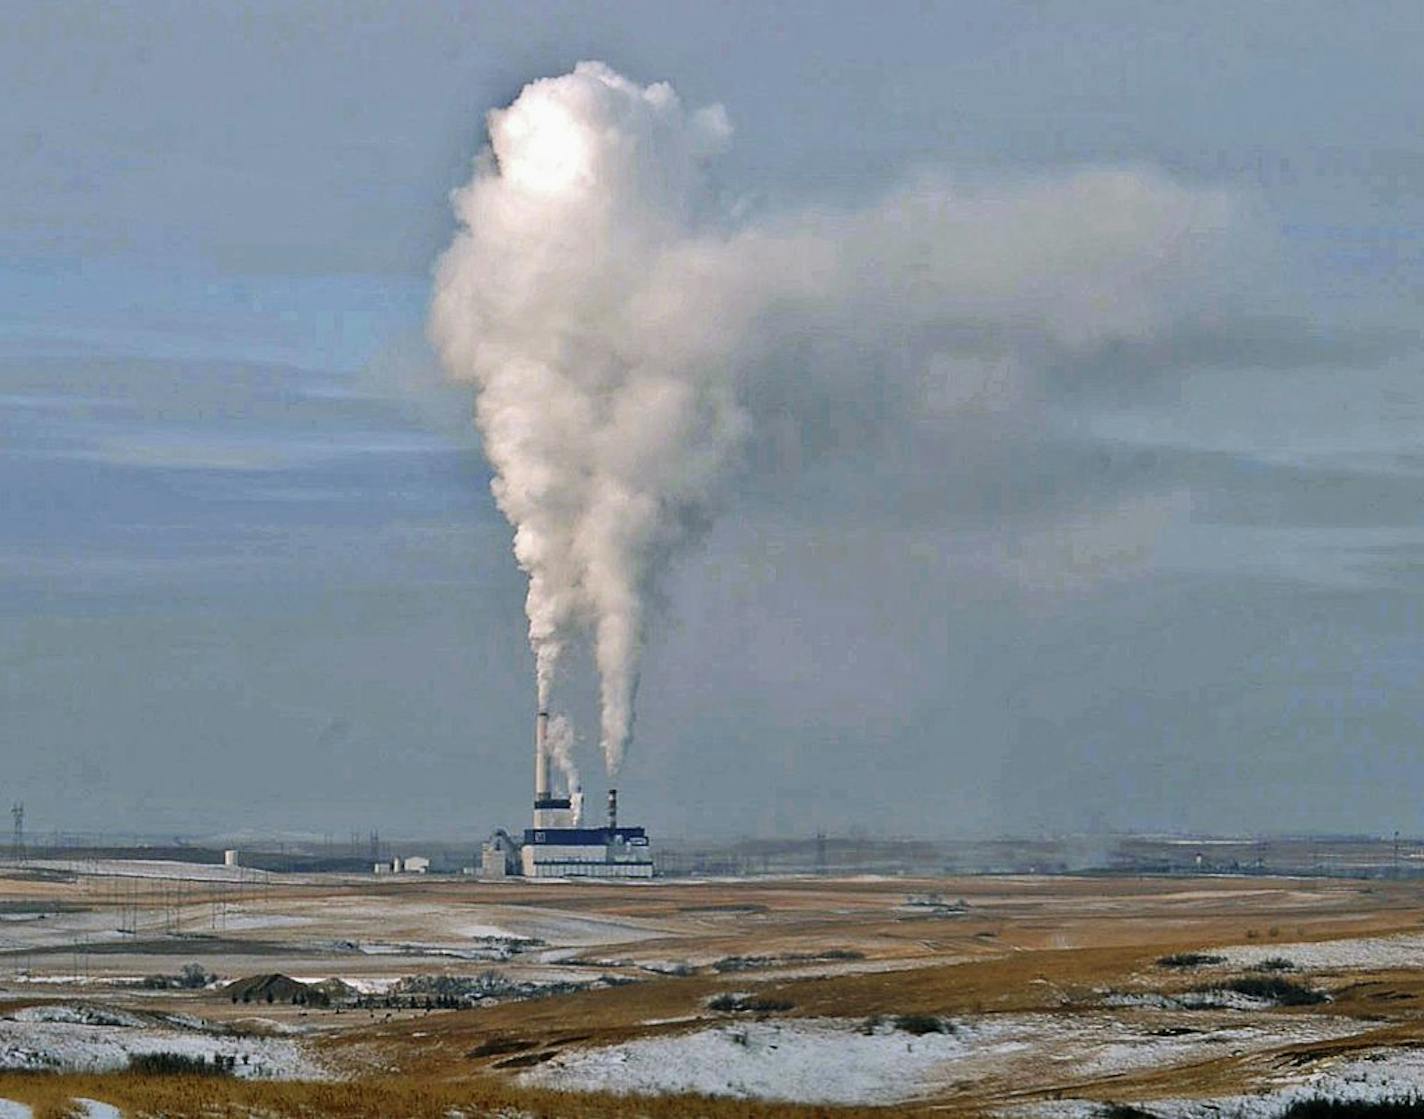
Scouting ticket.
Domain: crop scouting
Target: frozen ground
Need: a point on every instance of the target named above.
(9, 1109)
(826, 968)
(1192, 1000)
(813, 1062)
(1378, 1074)
(837, 1061)
(83, 1038)
(361, 984)
(382, 924)
(153, 868)
(396, 935)
(1373, 952)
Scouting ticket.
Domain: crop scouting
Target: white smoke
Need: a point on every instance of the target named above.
(634, 348)
(559, 740)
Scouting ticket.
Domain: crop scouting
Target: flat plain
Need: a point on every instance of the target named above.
(1008, 995)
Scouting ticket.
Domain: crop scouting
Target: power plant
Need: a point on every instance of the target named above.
(558, 846)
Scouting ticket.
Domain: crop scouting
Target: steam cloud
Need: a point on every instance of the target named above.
(560, 742)
(636, 349)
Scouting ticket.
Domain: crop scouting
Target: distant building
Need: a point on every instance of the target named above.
(230, 857)
(610, 852)
(415, 864)
(499, 857)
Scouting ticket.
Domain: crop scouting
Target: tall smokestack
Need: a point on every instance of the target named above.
(612, 809)
(541, 757)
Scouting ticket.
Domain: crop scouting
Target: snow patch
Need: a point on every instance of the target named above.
(1374, 952)
(153, 868)
(97, 1109)
(1191, 1000)
(1368, 1076)
(488, 932)
(76, 1015)
(83, 1039)
(362, 985)
(809, 1062)
(840, 1061)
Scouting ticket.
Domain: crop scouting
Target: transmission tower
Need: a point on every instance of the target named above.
(17, 842)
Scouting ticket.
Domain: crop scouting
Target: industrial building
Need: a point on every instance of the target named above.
(558, 846)
(555, 851)
(411, 864)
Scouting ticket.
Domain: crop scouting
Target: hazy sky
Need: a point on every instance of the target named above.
(251, 574)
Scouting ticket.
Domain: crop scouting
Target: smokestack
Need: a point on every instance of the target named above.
(612, 809)
(541, 757)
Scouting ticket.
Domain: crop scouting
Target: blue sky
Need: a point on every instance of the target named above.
(251, 575)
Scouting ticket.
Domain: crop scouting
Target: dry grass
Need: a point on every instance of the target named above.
(181, 1096)
(1021, 945)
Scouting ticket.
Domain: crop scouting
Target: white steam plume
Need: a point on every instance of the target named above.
(560, 742)
(629, 343)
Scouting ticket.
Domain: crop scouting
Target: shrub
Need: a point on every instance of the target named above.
(920, 1024)
(194, 976)
(1190, 959)
(1275, 963)
(501, 1047)
(1125, 1111)
(176, 1064)
(756, 1004)
(190, 978)
(748, 963)
(742, 963)
(1285, 992)
(1407, 1107)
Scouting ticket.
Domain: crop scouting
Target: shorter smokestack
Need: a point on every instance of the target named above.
(612, 809)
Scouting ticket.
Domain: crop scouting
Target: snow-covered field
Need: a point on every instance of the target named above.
(813, 1062)
(1191, 1000)
(361, 984)
(84, 1038)
(152, 868)
(823, 968)
(1378, 1074)
(381, 925)
(838, 1061)
(1373, 952)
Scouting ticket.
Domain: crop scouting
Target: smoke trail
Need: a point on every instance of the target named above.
(560, 742)
(605, 444)
(629, 344)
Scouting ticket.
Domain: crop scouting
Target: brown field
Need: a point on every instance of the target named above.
(1059, 959)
